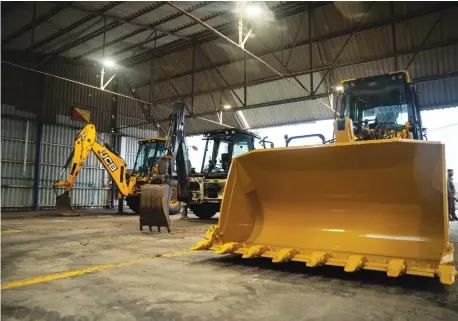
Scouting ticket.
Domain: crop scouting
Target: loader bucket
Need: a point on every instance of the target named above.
(154, 206)
(63, 205)
(376, 205)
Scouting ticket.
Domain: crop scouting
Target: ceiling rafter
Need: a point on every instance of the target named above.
(104, 29)
(33, 24)
(450, 42)
(74, 25)
(143, 29)
(287, 9)
(341, 33)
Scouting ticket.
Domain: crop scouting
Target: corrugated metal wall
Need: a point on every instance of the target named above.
(17, 179)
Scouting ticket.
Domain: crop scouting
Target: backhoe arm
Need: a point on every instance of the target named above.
(115, 165)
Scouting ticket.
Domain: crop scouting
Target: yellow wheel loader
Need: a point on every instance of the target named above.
(152, 176)
(375, 199)
(207, 186)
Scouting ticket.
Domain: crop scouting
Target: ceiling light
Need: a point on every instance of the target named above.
(339, 88)
(253, 11)
(109, 63)
(227, 106)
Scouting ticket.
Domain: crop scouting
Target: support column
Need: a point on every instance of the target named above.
(393, 35)
(37, 172)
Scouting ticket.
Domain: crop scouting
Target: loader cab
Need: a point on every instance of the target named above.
(380, 104)
(149, 150)
(222, 146)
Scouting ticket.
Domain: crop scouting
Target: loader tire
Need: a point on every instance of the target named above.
(134, 204)
(205, 211)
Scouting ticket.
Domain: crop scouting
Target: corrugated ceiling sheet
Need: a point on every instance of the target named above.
(288, 113)
(438, 94)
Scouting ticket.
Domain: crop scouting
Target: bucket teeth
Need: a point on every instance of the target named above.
(354, 263)
(202, 245)
(255, 251)
(284, 255)
(446, 273)
(396, 267)
(318, 258)
(229, 247)
(208, 241)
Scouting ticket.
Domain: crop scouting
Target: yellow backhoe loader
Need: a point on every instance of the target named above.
(148, 179)
(374, 198)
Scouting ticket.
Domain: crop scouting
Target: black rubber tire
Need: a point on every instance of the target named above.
(204, 211)
(175, 209)
(134, 204)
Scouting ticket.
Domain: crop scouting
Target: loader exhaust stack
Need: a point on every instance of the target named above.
(375, 205)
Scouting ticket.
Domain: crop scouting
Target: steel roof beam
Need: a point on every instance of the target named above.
(33, 24)
(74, 25)
(128, 21)
(303, 98)
(323, 68)
(142, 29)
(416, 14)
(104, 29)
(288, 9)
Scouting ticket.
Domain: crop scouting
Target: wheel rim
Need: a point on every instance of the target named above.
(173, 197)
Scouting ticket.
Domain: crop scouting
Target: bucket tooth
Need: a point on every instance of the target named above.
(318, 258)
(202, 245)
(284, 255)
(446, 274)
(355, 263)
(396, 267)
(229, 247)
(255, 251)
(206, 243)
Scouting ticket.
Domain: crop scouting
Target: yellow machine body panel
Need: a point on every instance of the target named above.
(377, 205)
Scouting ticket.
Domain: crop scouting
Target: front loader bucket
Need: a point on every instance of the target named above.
(63, 205)
(376, 205)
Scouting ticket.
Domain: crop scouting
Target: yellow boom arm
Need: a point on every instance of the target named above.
(115, 165)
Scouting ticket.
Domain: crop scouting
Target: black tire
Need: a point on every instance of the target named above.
(134, 204)
(204, 211)
(175, 208)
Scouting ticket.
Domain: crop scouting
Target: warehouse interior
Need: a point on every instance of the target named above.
(131, 74)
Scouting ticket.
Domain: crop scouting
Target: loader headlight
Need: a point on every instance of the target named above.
(211, 187)
(194, 186)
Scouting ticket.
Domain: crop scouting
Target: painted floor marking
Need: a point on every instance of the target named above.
(97, 268)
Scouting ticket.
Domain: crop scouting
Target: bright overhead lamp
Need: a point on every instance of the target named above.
(253, 11)
(339, 88)
(227, 106)
(109, 63)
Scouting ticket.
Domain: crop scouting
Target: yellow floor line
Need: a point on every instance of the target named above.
(97, 268)
(11, 231)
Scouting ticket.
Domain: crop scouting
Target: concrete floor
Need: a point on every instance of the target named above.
(129, 281)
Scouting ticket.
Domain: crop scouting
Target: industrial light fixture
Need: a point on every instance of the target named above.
(253, 11)
(339, 88)
(227, 106)
(109, 63)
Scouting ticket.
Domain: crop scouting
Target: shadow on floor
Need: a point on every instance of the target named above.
(338, 280)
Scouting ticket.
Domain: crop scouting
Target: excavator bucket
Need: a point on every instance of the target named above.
(376, 205)
(154, 206)
(63, 205)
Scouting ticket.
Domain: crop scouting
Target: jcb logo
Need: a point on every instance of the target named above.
(106, 158)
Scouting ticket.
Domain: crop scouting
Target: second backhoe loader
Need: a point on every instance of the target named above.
(375, 199)
(154, 155)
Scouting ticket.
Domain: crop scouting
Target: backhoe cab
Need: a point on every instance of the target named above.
(207, 186)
